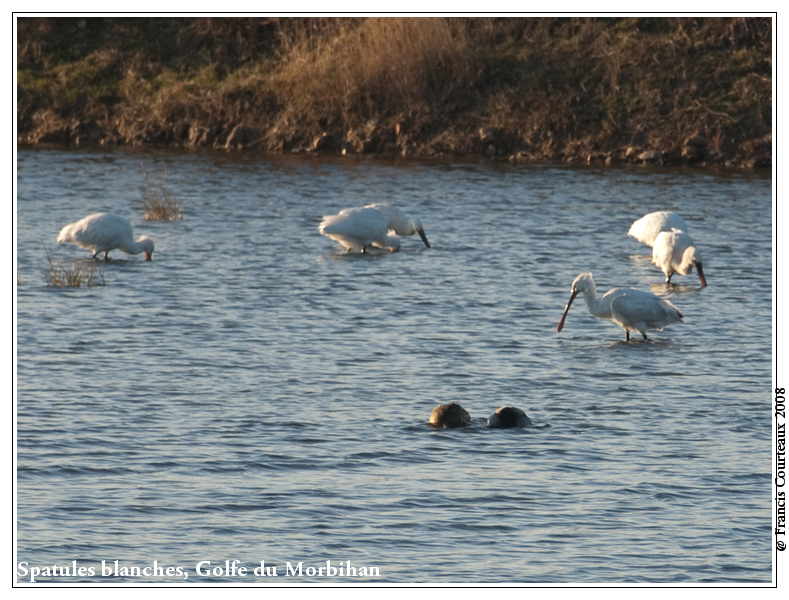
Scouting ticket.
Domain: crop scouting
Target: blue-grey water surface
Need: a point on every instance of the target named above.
(256, 394)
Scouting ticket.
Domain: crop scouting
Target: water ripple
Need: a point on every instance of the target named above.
(255, 393)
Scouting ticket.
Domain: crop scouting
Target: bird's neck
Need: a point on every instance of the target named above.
(598, 308)
(134, 247)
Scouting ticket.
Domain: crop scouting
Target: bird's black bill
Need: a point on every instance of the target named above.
(566, 310)
(700, 271)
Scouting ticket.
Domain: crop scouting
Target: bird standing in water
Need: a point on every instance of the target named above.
(359, 228)
(672, 248)
(633, 310)
(674, 252)
(103, 232)
(399, 222)
(647, 228)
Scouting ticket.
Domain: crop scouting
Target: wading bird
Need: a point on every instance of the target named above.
(358, 229)
(399, 222)
(674, 252)
(633, 310)
(103, 232)
(647, 228)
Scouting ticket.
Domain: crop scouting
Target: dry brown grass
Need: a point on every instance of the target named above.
(553, 87)
(349, 72)
(79, 273)
(160, 204)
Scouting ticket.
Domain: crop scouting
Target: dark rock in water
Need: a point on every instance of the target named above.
(509, 416)
(449, 416)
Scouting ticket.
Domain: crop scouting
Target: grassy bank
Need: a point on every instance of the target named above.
(694, 90)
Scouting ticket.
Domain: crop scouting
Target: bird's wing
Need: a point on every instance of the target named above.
(105, 231)
(396, 218)
(98, 231)
(669, 249)
(642, 229)
(349, 211)
(366, 224)
(663, 249)
(647, 228)
(637, 307)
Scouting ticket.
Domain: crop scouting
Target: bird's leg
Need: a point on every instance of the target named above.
(627, 335)
(668, 279)
(364, 249)
(645, 336)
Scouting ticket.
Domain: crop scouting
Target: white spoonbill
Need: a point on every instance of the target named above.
(674, 252)
(633, 310)
(647, 228)
(358, 229)
(399, 222)
(103, 232)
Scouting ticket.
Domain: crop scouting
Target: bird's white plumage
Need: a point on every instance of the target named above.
(102, 232)
(647, 228)
(633, 310)
(359, 228)
(674, 252)
(399, 222)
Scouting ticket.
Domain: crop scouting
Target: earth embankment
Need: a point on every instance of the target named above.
(641, 89)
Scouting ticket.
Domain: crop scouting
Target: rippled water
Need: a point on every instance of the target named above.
(254, 393)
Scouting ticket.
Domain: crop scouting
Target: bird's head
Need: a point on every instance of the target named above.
(692, 258)
(582, 283)
(147, 246)
(393, 243)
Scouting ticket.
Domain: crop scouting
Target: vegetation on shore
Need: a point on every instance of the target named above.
(687, 90)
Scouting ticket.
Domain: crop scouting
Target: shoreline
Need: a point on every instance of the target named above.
(662, 91)
(626, 157)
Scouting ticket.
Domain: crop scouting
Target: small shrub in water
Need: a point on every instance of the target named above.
(76, 274)
(160, 204)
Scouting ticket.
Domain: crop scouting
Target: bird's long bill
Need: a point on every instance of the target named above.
(424, 238)
(700, 271)
(566, 310)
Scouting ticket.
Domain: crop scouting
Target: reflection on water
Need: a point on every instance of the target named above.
(254, 393)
